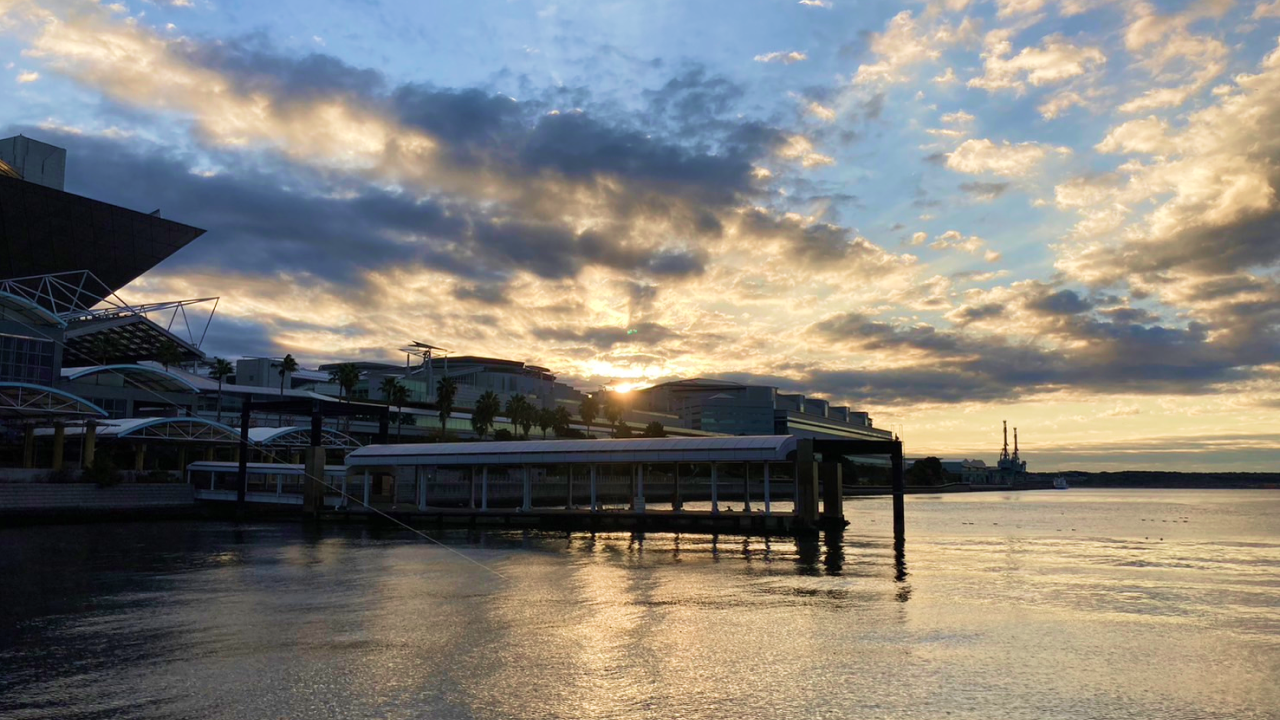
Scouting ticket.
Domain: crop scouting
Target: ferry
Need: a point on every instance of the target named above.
(1059, 483)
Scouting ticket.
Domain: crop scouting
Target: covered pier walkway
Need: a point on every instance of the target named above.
(772, 484)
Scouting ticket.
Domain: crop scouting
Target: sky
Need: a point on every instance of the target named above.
(1060, 213)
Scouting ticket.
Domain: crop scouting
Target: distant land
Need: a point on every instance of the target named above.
(1162, 479)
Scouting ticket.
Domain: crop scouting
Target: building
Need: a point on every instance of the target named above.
(47, 230)
(732, 408)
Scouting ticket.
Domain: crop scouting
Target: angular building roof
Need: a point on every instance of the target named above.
(47, 231)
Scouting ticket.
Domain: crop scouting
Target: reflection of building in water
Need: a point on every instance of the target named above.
(1011, 468)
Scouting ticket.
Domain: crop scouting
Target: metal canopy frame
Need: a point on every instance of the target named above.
(79, 296)
(139, 376)
(178, 429)
(300, 437)
(25, 400)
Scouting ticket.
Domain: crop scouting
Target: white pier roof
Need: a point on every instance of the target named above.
(755, 448)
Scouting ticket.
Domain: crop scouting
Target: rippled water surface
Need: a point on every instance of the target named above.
(1048, 604)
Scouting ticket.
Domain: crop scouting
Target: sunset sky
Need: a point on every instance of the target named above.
(1058, 212)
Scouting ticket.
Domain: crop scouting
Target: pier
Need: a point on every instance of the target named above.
(776, 484)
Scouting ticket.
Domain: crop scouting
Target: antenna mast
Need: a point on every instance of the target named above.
(1015, 443)
(1004, 453)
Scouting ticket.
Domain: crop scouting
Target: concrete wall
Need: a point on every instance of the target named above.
(18, 498)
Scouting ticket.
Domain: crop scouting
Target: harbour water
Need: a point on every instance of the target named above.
(1046, 604)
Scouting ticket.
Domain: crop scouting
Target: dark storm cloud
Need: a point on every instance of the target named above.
(1104, 356)
(684, 162)
(255, 66)
(816, 242)
(491, 294)
(603, 338)
(1063, 302)
(1129, 316)
(694, 100)
(581, 147)
(275, 219)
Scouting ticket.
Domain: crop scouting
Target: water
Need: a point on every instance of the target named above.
(1048, 604)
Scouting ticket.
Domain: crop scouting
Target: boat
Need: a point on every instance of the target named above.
(1059, 483)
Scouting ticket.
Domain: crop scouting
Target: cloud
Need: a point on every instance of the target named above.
(820, 111)
(984, 191)
(954, 240)
(784, 57)
(28, 76)
(977, 157)
(816, 3)
(958, 117)
(1009, 8)
(951, 367)
(1059, 103)
(948, 77)
(1170, 51)
(906, 43)
(1205, 203)
(798, 147)
(1266, 9)
(1149, 136)
(1054, 61)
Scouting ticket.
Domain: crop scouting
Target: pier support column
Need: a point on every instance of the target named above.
(182, 459)
(568, 505)
(594, 505)
(768, 509)
(29, 446)
(139, 456)
(899, 488)
(746, 487)
(313, 481)
(484, 487)
(424, 477)
(59, 444)
(677, 503)
(806, 482)
(367, 488)
(471, 486)
(343, 500)
(209, 453)
(637, 500)
(832, 490)
(715, 488)
(91, 445)
(279, 484)
(527, 504)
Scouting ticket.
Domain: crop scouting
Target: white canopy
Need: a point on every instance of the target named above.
(755, 448)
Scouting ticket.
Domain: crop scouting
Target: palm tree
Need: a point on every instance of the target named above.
(546, 420)
(169, 353)
(614, 409)
(561, 418)
(487, 408)
(446, 391)
(395, 394)
(518, 412)
(346, 376)
(221, 369)
(589, 410)
(287, 365)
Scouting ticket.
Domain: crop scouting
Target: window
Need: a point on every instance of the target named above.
(26, 359)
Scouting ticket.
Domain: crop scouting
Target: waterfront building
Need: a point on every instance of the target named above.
(732, 408)
(47, 230)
